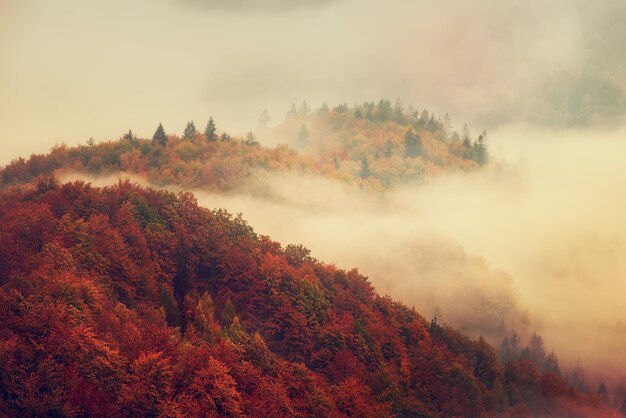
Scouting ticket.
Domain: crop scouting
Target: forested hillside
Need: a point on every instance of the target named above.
(373, 146)
(124, 301)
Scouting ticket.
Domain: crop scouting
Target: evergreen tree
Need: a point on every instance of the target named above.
(190, 130)
(388, 149)
(264, 120)
(537, 353)
(465, 132)
(324, 108)
(304, 110)
(424, 118)
(551, 365)
(468, 149)
(481, 154)
(209, 131)
(129, 136)
(412, 144)
(293, 112)
(384, 110)
(303, 137)
(398, 112)
(603, 392)
(250, 139)
(358, 114)
(365, 169)
(159, 136)
(447, 126)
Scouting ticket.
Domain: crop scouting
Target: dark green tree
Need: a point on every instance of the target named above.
(250, 139)
(388, 149)
(481, 155)
(398, 112)
(159, 136)
(303, 137)
(551, 365)
(603, 392)
(412, 144)
(209, 131)
(358, 114)
(190, 130)
(129, 136)
(365, 169)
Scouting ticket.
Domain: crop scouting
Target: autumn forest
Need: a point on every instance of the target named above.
(312, 208)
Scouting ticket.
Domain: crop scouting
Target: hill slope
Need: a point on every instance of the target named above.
(125, 301)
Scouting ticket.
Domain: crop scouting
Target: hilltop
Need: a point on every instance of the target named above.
(372, 146)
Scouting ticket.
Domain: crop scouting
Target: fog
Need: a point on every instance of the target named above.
(75, 69)
(535, 242)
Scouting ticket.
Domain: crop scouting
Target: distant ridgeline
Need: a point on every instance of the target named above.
(376, 146)
(124, 301)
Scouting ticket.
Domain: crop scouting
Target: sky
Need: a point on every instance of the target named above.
(75, 69)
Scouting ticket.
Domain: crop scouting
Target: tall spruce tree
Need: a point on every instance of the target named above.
(190, 130)
(130, 136)
(365, 169)
(412, 144)
(209, 131)
(159, 136)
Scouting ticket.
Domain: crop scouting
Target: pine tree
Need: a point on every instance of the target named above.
(551, 365)
(398, 112)
(209, 131)
(412, 144)
(293, 112)
(264, 120)
(190, 130)
(304, 110)
(603, 392)
(388, 149)
(159, 136)
(129, 136)
(250, 139)
(365, 169)
(303, 137)
(481, 154)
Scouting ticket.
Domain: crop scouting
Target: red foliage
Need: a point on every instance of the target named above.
(123, 301)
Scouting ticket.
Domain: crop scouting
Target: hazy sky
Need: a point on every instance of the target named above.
(73, 69)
